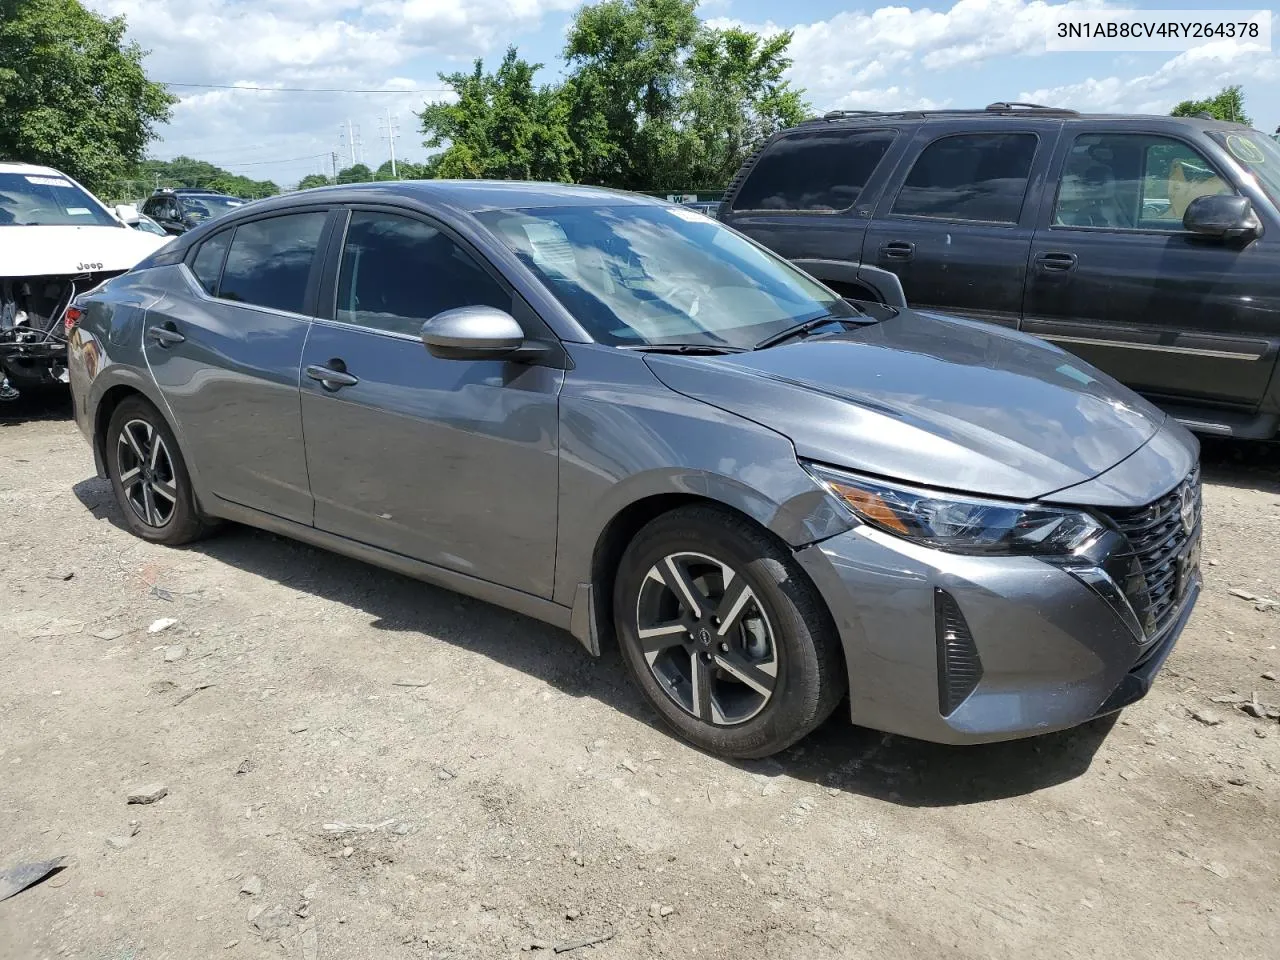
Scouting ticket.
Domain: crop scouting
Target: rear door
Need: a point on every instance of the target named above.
(224, 346)
(452, 462)
(1115, 278)
(956, 221)
(810, 194)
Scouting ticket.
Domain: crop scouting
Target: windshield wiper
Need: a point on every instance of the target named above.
(799, 330)
(707, 349)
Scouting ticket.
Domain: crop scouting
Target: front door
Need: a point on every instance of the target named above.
(955, 228)
(452, 462)
(224, 351)
(1115, 279)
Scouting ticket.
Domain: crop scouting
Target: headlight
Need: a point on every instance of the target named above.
(959, 523)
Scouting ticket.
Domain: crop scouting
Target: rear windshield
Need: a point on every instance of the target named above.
(207, 208)
(48, 200)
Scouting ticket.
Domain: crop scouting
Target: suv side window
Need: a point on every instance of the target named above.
(398, 272)
(969, 176)
(1132, 181)
(207, 263)
(822, 171)
(270, 260)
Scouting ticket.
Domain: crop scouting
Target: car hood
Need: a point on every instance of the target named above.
(57, 251)
(930, 400)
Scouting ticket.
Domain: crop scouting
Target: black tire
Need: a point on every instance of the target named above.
(810, 678)
(173, 524)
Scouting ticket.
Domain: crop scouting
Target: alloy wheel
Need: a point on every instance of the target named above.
(707, 638)
(146, 473)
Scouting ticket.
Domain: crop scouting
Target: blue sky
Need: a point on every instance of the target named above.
(957, 53)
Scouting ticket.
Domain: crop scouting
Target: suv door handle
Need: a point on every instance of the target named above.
(897, 250)
(1056, 262)
(166, 335)
(332, 376)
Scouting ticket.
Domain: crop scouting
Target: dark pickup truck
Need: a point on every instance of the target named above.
(1149, 246)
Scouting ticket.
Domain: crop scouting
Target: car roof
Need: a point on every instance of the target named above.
(29, 169)
(473, 196)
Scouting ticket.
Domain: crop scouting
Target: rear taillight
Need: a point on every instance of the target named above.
(71, 318)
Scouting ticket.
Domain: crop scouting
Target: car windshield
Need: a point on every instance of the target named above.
(208, 208)
(1259, 154)
(637, 274)
(48, 200)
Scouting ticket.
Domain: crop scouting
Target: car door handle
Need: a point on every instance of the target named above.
(166, 335)
(897, 250)
(332, 376)
(1056, 262)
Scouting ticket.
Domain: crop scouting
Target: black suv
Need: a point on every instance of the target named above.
(181, 209)
(1150, 246)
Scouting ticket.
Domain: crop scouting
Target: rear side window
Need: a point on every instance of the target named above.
(822, 170)
(973, 176)
(270, 260)
(207, 264)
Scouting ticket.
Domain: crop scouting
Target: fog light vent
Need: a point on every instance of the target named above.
(959, 668)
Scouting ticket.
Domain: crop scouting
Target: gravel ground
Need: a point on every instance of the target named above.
(362, 766)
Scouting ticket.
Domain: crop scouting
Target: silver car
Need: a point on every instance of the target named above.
(621, 417)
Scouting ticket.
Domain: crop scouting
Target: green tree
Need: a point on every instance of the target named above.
(1226, 104)
(737, 98)
(405, 170)
(357, 173)
(73, 93)
(628, 73)
(188, 172)
(313, 180)
(501, 126)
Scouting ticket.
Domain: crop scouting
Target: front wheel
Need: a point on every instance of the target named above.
(724, 634)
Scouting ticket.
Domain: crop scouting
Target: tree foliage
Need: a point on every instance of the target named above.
(73, 94)
(652, 99)
(188, 172)
(500, 126)
(1226, 104)
(313, 180)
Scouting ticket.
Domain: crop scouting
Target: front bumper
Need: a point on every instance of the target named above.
(1050, 652)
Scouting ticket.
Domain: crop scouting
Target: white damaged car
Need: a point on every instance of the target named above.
(56, 241)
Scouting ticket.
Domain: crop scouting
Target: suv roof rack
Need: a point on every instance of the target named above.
(1003, 107)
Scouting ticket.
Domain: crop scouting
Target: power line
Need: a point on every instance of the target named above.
(236, 86)
(260, 163)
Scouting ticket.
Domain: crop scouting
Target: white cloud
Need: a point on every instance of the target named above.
(308, 43)
(1190, 75)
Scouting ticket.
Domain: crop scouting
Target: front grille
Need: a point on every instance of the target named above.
(1158, 534)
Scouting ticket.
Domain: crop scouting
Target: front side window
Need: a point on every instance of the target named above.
(972, 176)
(398, 272)
(270, 260)
(636, 274)
(207, 264)
(1132, 181)
(48, 200)
(822, 170)
(1258, 154)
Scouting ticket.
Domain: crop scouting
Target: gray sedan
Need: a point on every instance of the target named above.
(621, 417)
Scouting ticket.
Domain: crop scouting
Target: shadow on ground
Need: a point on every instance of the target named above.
(31, 405)
(838, 755)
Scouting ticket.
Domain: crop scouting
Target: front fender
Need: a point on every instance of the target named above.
(626, 437)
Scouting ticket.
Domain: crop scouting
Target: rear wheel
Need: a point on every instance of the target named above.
(149, 476)
(725, 635)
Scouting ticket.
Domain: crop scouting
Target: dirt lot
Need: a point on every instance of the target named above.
(393, 771)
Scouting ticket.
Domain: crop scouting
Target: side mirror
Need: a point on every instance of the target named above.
(473, 333)
(1224, 217)
(126, 213)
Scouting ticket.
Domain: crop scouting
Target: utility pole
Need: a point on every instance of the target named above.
(351, 133)
(390, 133)
(334, 157)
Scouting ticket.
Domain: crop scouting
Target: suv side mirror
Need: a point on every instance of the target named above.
(475, 333)
(127, 213)
(1222, 216)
